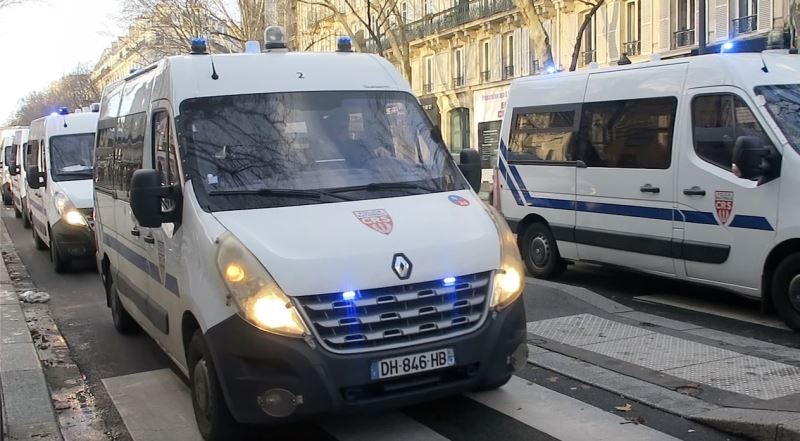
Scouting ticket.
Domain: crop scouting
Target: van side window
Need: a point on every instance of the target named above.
(104, 156)
(718, 120)
(32, 155)
(542, 136)
(165, 159)
(130, 145)
(628, 133)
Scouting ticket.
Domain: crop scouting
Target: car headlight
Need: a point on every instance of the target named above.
(509, 280)
(67, 210)
(259, 298)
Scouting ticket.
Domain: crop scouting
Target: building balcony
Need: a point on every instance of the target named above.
(456, 16)
(632, 48)
(744, 25)
(587, 57)
(458, 81)
(508, 72)
(683, 38)
(427, 88)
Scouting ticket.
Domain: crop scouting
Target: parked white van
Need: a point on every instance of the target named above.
(59, 177)
(10, 167)
(684, 168)
(293, 233)
(18, 188)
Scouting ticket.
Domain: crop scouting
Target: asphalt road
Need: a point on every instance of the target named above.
(78, 308)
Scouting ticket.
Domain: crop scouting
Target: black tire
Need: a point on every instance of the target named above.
(786, 291)
(540, 252)
(17, 213)
(497, 384)
(214, 420)
(6, 200)
(40, 245)
(123, 322)
(59, 264)
(26, 220)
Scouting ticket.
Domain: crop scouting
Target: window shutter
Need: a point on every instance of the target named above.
(601, 28)
(721, 20)
(526, 55)
(417, 75)
(496, 54)
(613, 30)
(765, 15)
(664, 30)
(519, 62)
(472, 63)
(442, 62)
(646, 18)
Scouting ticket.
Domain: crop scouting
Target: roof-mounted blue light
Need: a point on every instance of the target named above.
(63, 111)
(344, 44)
(726, 47)
(199, 46)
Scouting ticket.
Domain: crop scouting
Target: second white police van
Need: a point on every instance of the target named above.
(291, 230)
(684, 168)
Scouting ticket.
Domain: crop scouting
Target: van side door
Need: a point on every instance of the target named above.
(729, 223)
(35, 199)
(626, 191)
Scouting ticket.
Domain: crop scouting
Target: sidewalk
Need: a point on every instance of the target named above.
(27, 410)
(737, 384)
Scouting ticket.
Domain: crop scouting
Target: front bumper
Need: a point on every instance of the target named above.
(73, 242)
(249, 362)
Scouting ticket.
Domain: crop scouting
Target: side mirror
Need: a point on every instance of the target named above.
(471, 167)
(33, 176)
(13, 170)
(748, 157)
(147, 194)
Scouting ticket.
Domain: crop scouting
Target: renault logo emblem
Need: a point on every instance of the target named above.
(401, 266)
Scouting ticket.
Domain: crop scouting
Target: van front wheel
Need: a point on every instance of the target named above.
(214, 420)
(540, 252)
(786, 291)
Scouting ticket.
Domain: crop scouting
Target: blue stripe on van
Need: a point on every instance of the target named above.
(36, 205)
(142, 263)
(689, 216)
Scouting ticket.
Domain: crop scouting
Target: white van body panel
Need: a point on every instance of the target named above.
(609, 200)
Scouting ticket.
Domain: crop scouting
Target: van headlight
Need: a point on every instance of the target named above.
(259, 299)
(509, 279)
(66, 209)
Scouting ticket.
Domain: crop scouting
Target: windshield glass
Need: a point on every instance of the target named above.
(351, 144)
(783, 103)
(72, 157)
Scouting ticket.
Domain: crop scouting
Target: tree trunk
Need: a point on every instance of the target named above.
(540, 41)
(576, 51)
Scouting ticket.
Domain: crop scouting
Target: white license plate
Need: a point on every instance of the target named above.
(411, 364)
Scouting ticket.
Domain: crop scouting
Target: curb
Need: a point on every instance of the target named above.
(760, 425)
(27, 410)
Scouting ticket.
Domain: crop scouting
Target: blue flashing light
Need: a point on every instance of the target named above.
(728, 45)
(199, 45)
(550, 70)
(344, 44)
(348, 295)
(63, 111)
(449, 281)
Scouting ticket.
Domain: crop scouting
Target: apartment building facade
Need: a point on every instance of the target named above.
(464, 54)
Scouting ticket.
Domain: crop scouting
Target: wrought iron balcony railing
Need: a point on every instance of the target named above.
(683, 38)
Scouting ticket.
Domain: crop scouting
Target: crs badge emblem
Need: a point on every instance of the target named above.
(723, 202)
(379, 220)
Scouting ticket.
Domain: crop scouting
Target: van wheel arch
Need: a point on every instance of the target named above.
(533, 232)
(526, 222)
(775, 257)
(105, 274)
(189, 325)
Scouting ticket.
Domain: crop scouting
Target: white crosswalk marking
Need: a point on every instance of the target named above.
(563, 417)
(156, 406)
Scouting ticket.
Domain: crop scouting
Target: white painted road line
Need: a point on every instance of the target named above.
(392, 426)
(563, 417)
(714, 308)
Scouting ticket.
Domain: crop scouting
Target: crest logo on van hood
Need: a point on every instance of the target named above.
(723, 202)
(379, 220)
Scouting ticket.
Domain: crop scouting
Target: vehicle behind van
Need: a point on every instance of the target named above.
(18, 188)
(59, 179)
(8, 165)
(683, 168)
(291, 230)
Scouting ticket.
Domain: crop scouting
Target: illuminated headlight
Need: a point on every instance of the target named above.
(260, 300)
(67, 210)
(509, 280)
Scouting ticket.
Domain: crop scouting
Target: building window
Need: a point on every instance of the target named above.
(459, 129)
(508, 51)
(427, 86)
(747, 20)
(404, 11)
(486, 70)
(428, 7)
(588, 55)
(458, 67)
(633, 27)
(684, 33)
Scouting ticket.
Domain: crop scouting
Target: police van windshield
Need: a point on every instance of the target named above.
(783, 103)
(72, 157)
(279, 149)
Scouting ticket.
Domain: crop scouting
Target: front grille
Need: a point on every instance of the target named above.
(398, 315)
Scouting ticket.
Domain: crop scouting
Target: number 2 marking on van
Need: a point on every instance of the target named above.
(300, 75)
(723, 202)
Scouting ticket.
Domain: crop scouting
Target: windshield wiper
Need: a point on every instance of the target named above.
(379, 186)
(279, 192)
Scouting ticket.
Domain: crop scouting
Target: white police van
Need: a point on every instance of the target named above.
(9, 152)
(19, 197)
(683, 168)
(59, 185)
(293, 233)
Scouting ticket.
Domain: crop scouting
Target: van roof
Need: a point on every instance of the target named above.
(53, 125)
(742, 69)
(183, 77)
